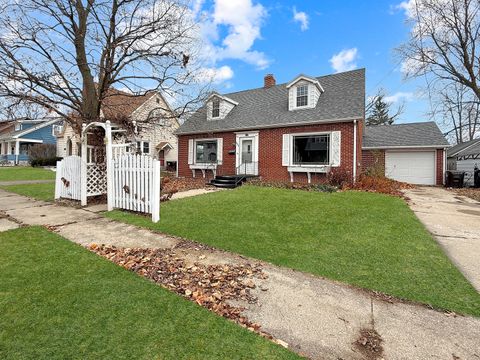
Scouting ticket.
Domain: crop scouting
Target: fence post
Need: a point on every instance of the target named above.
(155, 201)
(58, 180)
(108, 135)
(83, 167)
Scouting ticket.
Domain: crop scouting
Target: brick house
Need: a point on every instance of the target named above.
(155, 120)
(300, 131)
(290, 132)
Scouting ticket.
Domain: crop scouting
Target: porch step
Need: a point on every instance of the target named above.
(228, 181)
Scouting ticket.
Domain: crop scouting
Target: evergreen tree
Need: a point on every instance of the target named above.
(378, 111)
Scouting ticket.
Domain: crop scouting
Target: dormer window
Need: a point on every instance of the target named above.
(219, 106)
(302, 95)
(215, 108)
(18, 126)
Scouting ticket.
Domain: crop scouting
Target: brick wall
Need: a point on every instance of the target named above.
(439, 165)
(373, 158)
(270, 151)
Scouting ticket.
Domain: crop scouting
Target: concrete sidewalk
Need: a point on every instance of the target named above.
(319, 318)
(25, 182)
(455, 223)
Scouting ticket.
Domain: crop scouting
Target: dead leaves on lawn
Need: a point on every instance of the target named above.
(210, 286)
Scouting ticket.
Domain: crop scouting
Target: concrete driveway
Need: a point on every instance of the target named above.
(455, 222)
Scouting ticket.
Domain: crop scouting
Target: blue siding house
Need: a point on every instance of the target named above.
(22, 134)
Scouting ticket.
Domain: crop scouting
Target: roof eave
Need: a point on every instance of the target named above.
(270, 126)
(386, 147)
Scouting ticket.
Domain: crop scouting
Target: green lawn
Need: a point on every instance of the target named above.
(45, 192)
(59, 301)
(25, 173)
(370, 240)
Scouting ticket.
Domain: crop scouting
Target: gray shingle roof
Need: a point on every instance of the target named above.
(344, 98)
(466, 148)
(408, 135)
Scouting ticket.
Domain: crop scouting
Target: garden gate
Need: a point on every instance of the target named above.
(130, 181)
(67, 179)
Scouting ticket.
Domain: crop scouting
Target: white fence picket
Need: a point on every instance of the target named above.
(67, 179)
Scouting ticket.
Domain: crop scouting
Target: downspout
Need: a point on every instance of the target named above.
(178, 147)
(354, 150)
(444, 165)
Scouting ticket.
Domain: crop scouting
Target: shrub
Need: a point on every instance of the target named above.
(378, 168)
(43, 155)
(45, 162)
(339, 177)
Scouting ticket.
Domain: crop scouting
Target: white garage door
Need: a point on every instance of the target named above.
(414, 167)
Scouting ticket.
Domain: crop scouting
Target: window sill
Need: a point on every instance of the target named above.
(309, 168)
(204, 168)
(302, 107)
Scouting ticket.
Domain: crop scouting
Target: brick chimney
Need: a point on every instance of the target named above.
(269, 81)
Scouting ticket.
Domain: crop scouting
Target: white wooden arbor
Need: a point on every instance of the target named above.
(130, 181)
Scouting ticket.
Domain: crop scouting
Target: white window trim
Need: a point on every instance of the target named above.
(18, 127)
(290, 160)
(307, 105)
(203, 165)
(306, 168)
(140, 146)
(219, 108)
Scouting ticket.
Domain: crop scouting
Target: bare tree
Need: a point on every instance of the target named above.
(15, 109)
(65, 55)
(459, 110)
(443, 42)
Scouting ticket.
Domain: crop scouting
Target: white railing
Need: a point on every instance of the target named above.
(67, 182)
(136, 184)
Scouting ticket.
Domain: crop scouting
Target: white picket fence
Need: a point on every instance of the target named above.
(134, 179)
(68, 178)
(136, 184)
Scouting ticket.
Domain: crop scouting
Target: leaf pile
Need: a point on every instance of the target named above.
(370, 344)
(173, 184)
(380, 184)
(210, 286)
(471, 193)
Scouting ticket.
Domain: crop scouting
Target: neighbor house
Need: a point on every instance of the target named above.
(414, 152)
(16, 137)
(297, 131)
(302, 130)
(155, 120)
(465, 157)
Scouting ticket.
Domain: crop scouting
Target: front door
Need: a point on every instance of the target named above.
(161, 158)
(247, 165)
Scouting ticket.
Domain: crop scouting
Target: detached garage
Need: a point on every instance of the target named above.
(412, 153)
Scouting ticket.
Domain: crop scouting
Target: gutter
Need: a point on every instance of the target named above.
(406, 147)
